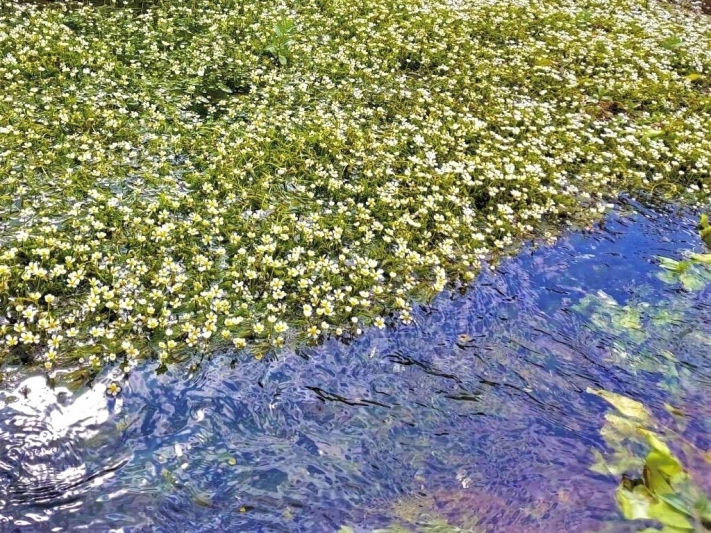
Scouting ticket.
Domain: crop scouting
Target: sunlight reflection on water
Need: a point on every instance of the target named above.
(476, 415)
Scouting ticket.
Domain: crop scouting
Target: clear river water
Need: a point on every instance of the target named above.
(473, 419)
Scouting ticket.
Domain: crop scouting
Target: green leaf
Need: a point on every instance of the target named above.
(282, 60)
(706, 236)
(676, 502)
(627, 406)
(668, 277)
(694, 76)
(669, 516)
(654, 442)
(656, 482)
(702, 503)
(624, 427)
(666, 463)
(701, 258)
(635, 504)
(691, 282)
(668, 263)
(672, 43)
(651, 133)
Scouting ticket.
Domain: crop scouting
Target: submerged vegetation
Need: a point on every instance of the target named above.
(655, 485)
(181, 174)
(663, 491)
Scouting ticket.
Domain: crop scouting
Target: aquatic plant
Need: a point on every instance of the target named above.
(281, 41)
(420, 515)
(693, 273)
(166, 190)
(661, 489)
(705, 229)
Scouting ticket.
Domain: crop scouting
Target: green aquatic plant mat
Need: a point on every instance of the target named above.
(660, 489)
(181, 175)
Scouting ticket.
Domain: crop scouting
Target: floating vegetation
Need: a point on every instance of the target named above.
(418, 514)
(661, 489)
(693, 273)
(705, 229)
(642, 330)
(183, 175)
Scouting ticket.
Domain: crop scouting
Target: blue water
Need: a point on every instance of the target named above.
(475, 416)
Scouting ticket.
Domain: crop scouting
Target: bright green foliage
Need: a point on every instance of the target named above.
(664, 491)
(609, 316)
(180, 174)
(705, 230)
(693, 273)
(281, 41)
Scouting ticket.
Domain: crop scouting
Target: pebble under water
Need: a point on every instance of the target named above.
(473, 419)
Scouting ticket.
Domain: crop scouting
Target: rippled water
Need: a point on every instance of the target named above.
(476, 416)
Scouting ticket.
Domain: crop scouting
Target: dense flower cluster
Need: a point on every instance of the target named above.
(167, 183)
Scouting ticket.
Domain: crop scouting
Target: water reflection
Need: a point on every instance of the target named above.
(476, 416)
(43, 463)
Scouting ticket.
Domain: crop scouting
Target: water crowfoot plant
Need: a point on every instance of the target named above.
(165, 190)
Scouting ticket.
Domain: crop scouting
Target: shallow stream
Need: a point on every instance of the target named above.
(475, 418)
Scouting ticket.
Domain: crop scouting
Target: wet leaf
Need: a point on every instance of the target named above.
(600, 465)
(634, 504)
(622, 425)
(701, 258)
(668, 277)
(706, 236)
(668, 356)
(656, 482)
(654, 442)
(203, 499)
(669, 264)
(691, 282)
(667, 464)
(627, 406)
(675, 501)
(629, 319)
(669, 516)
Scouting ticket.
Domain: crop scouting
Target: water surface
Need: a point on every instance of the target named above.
(475, 416)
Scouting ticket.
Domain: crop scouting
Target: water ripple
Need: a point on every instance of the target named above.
(476, 413)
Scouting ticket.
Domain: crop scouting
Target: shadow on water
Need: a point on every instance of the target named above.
(475, 418)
